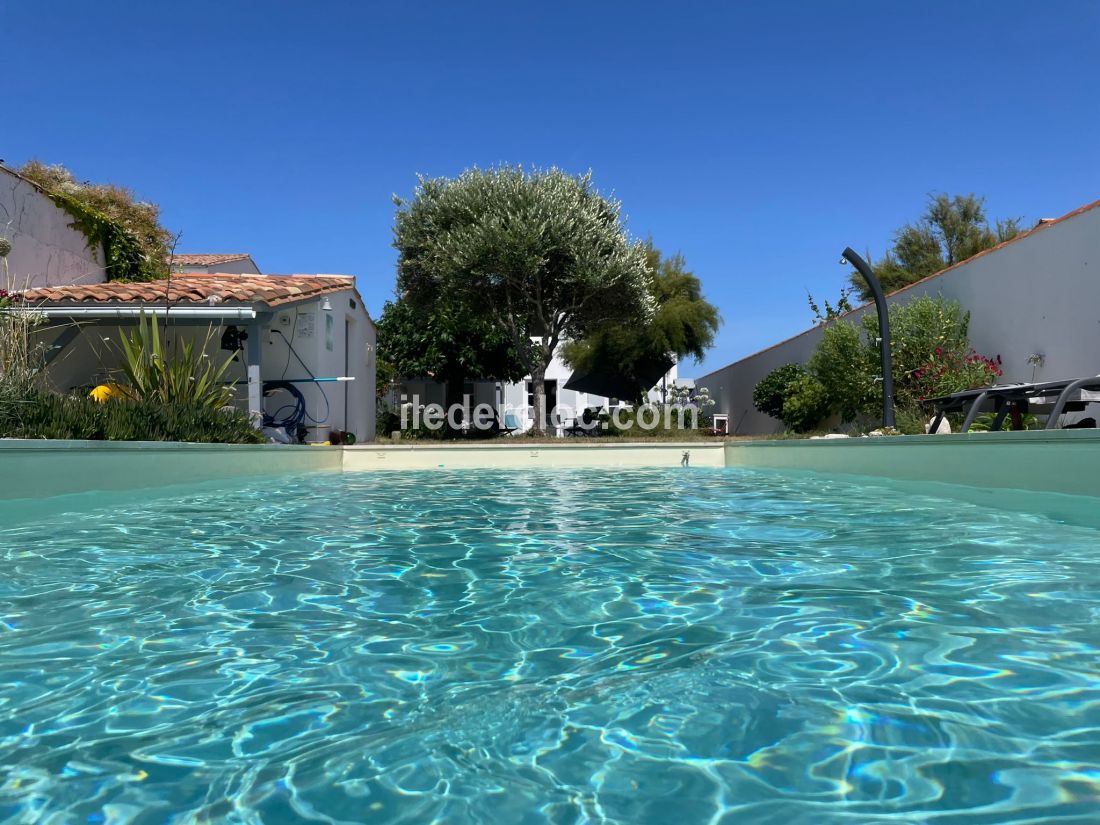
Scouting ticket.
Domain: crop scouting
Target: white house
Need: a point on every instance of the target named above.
(296, 328)
(45, 249)
(232, 263)
(305, 330)
(520, 396)
(514, 402)
(1033, 300)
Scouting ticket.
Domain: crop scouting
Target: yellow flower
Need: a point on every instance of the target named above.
(105, 392)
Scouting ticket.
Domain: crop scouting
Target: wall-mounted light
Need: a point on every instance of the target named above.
(326, 305)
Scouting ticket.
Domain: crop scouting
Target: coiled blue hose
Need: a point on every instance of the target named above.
(295, 419)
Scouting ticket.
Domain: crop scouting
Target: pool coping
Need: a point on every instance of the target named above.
(975, 437)
(1056, 461)
(409, 456)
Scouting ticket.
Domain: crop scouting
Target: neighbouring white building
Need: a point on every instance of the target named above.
(513, 403)
(290, 328)
(45, 249)
(1033, 300)
(231, 263)
(305, 330)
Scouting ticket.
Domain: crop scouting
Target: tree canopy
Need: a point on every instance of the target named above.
(440, 340)
(683, 325)
(951, 230)
(540, 253)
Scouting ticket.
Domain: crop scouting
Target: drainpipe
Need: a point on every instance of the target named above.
(884, 335)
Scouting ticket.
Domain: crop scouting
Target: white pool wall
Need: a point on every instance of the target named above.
(1056, 461)
(31, 468)
(517, 454)
(1062, 461)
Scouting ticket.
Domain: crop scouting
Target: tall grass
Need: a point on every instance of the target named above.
(20, 354)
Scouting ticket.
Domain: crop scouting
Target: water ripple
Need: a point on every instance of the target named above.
(550, 647)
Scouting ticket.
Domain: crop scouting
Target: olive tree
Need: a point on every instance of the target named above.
(541, 253)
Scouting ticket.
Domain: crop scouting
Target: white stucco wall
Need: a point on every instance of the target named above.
(244, 266)
(347, 348)
(46, 250)
(1038, 295)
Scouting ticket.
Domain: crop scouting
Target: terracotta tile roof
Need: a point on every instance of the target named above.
(212, 259)
(197, 288)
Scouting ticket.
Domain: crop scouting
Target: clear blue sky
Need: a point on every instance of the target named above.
(758, 139)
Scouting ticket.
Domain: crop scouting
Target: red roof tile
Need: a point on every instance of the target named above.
(197, 288)
(208, 259)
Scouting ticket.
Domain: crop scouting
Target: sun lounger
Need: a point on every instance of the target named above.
(1052, 397)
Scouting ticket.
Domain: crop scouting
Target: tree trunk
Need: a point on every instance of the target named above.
(538, 390)
(538, 383)
(455, 383)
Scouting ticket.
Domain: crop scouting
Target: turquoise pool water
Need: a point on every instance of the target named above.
(689, 646)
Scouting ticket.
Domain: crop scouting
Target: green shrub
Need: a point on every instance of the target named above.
(807, 406)
(911, 420)
(775, 388)
(930, 355)
(984, 423)
(387, 422)
(41, 414)
(930, 350)
(20, 356)
(846, 365)
(682, 422)
(918, 329)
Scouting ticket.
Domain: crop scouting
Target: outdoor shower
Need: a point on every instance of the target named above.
(883, 334)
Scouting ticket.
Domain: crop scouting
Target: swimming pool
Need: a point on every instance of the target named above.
(633, 646)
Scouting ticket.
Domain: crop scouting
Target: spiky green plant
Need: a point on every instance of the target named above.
(189, 376)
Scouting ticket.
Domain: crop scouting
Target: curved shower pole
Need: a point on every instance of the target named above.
(884, 334)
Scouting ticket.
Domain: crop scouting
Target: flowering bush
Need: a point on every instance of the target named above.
(684, 396)
(949, 372)
(931, 356)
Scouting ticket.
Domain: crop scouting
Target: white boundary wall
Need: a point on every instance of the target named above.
(46, 250)
(1037, 295)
